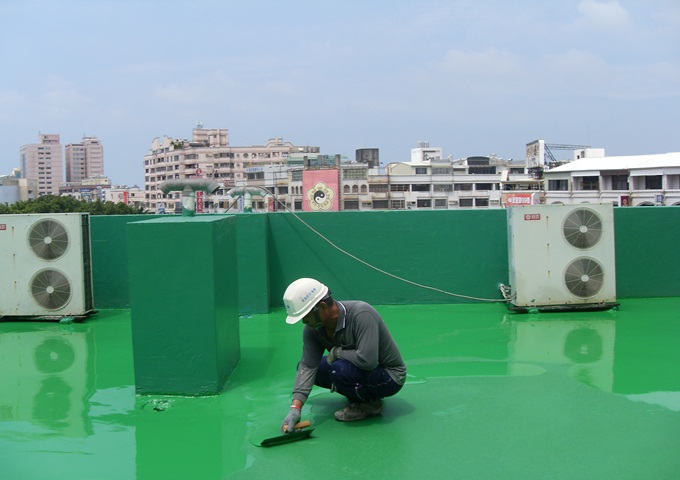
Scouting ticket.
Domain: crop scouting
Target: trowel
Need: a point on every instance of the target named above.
(301, 432)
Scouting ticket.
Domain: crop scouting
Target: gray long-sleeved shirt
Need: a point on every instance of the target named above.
(364, 339)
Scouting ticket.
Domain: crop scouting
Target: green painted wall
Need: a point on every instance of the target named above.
(647, 252)
(253, 264)
(459, 251)
(184, 304)
(109, 259)
(463, 252)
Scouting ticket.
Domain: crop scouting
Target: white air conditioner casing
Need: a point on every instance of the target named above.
(45, 265)
(561, 255)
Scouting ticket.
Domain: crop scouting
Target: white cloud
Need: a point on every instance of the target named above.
(608, 14)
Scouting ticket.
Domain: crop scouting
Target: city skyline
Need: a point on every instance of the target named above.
(475, 78)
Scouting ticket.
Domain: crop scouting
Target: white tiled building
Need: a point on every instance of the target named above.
(636, 180)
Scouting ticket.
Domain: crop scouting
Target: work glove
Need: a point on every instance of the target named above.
(333, 355)
(293, 417)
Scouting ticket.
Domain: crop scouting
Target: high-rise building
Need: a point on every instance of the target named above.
(43, 163)
(84, 160)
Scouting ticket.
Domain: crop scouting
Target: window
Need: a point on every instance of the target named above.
(399, 187)
(355, 189)
(283, 190)
(380, 205)
(558, 185)
(351, 205)
(483, 186)
(418, 187)
(421, 170)
(653, 182)
(442, 171)
(481, 202)
(481, 170)
(590, 183)
(397, 204)
(377, 187)
(619, 182)
(465, 202)
(440, 203)
(355, 174)
(424, 203)
(447, 187)
(462, 186)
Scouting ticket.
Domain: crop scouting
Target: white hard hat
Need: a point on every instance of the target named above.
(301, 296)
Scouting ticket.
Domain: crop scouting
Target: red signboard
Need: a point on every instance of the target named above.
(320, 189)
(532, 216)
(199, 201)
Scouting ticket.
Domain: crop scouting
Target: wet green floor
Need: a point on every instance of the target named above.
(490, 395)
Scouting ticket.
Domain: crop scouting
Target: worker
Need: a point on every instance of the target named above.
(363, 362)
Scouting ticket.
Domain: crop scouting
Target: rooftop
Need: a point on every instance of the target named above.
(629, 162)
(490, 394)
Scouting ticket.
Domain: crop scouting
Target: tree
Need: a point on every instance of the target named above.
(68, 204)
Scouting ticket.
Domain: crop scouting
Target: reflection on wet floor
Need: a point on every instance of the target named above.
(587, 395)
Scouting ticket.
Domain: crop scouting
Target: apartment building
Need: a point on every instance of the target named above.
(636, 180)
(207, 155)
(42, 164)
(84, 160)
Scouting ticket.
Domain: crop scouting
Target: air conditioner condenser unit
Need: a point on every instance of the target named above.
(562, 256)
(45, 265)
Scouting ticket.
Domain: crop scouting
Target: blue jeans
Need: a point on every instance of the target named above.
(359, 386)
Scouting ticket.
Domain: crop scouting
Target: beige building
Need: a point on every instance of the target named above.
(84, 160)
(42, 163)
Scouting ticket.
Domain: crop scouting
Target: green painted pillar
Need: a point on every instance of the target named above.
(184, 304)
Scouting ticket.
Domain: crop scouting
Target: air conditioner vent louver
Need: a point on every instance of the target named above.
(582, 228)
(48, 239)
(584, 277)
(50, 289)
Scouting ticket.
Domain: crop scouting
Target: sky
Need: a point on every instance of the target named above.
(474, 77)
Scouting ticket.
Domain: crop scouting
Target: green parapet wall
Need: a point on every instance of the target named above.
(462, 252)
(184, 304)
(253, 265)
(647, 252)
(110, 276)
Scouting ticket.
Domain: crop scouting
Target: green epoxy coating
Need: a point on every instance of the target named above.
(490, 395)
(460, 251)
(185, 331)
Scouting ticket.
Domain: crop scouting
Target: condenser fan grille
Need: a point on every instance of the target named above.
(584, 277)
(48, 239)
(582, 228)
(50, 289)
